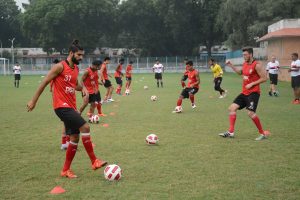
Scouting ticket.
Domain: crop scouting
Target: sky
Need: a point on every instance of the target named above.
(19, 3)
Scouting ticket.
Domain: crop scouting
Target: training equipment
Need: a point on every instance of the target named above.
(94, 119)
(145, 87)
(153, 98)
(152, 139)
(112, 172)
(127, 92)
(178, 109)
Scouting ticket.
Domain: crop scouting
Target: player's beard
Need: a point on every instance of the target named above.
(75, 61)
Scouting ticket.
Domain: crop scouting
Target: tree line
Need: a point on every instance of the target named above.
(158, 27)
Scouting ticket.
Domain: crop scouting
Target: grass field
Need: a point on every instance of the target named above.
(190, 162)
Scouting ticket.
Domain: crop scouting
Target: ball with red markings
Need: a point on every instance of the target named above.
(113, 172)
(152, 139)
(94, 119)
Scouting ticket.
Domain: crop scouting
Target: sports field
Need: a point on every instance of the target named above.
(190, 162)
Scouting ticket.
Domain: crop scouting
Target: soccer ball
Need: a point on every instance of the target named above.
(94, 119)
(153, 98)
(152, 139)
(178, 109)
(113, 172)
(127, 92)
(145, 87)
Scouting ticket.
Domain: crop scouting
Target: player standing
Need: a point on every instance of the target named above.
(17, 73)
(253, 75)
(128, 76)
(218, 73)
(106, 82)
(158, 69)
(118, 76)
(191, 89)
(272, 69)
(64, 76)
(295, 74)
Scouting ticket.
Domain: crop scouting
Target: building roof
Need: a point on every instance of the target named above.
(286, 32)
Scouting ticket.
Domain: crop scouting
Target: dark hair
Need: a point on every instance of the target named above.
(121, 60)
(55, 61)
(295, 54)
(190, 63)
(248, 49)
(131, 62)
(97, 62)
(75, 46)
(212, 60)
(106, 58)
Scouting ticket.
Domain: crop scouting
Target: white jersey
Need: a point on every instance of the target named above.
(273, 67)
(294, 65)
(17, 69)
(158, 68)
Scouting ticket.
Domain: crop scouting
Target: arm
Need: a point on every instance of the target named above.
(54, 72)
(262, 74)
(220, 70)
(198, 80)
(235, 69)
(101, 74)
(84, 76)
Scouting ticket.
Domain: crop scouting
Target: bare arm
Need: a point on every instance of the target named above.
(262, 74)
(198, 80)
(54, 72)
(235, 69)
(101, 74)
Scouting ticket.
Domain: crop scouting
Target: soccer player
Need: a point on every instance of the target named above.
(128, 75)
(105, 81)
(253, 75)
(272, 70)
(158, 68)
(191, 89)
(64, 76)
(185, 74)
(118, 76)
(90, 80)
(17, 73)
(295, 74)
(218, 73)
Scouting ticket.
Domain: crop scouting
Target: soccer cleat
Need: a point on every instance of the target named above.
(260, 137)
(64, 146)
(221, 97)
(110, 100)
(227, 134)
(69, 174)
(193, 105)
(270, 93)
(102, 115)
(275, 94)
(296, 101)
(98, 164)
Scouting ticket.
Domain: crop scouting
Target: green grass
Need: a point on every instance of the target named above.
(190, 162)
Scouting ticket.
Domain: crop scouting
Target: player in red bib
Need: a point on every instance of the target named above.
(64, 76)
(105, 81)
(90, 80)
(118, 76)
(191, 89)
(253, 75)
(128, 76)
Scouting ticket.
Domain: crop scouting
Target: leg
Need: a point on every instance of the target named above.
(157, 83)
(161, 83)
(256, 121)
(70, 154)
(232, 116)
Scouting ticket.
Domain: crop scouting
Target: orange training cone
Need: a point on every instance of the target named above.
(57, 190)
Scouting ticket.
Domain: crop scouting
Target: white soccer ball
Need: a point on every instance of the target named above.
(127, 92)
(145, 87)
(153, 98)
(152, 139)
(94, 119)
(178, 109)
(113, 172)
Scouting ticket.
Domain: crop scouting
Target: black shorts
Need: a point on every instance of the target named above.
(295, 81)
(128, 78)
(187, 91)
(71, 118)
(158, 76)
(250, 102)
(119, 80)
(94, 97)
(273, 79)
(17, 76)
(107, 83)
(184, 77)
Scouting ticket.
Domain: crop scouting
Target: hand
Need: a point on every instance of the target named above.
(228, 62)
(84, 92)
(248, 86)
(30, 106)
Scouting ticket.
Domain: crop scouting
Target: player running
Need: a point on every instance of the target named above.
(128, 76)
(118, 76)
(253, 75)
(64, 76)
(191, 89)
(218, 73)
(105, 81)
(272, 69)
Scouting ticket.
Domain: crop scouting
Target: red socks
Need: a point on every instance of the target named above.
(192, 98)
(257, 123)
(86, 140)
(71, 151)
(99, 108)
(232, 118)
(179, 102)
(63, 139)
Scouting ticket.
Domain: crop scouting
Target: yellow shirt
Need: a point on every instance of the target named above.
(217, 70)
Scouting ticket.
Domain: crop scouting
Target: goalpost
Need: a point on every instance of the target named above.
(4, 63)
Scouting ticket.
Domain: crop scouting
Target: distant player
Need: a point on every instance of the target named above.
(90, 80)
(295, 74)
(64, 76)
(218, 73)
(253, 75)
(129, 75)
(17, 73)
(105, 81)
(118, 76)
(185, 74)
(158, 69)
(191, 89)
(272, 69)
